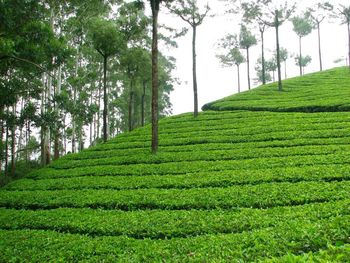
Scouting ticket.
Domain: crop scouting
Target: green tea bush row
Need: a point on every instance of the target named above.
(158, 224)
(233, 154)
(176, 168)
(256, 196)
(229, 138)
(295, 237)
(224, 178)
(91, 154)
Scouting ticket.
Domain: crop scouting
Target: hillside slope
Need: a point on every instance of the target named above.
(318, 92)
(234, 186)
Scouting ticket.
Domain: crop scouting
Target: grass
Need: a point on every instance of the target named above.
(228, 186)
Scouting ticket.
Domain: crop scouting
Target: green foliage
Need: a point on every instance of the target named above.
(246, 38)
(105, 37)
(302, 26)
(303, 61)
(233, 57)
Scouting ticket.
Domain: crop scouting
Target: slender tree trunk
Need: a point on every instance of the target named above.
(155, 11)
(13, 143)
(194, 71)
(300, 56)
(99, 112)
(239, 79)
(92, 121)
(131, 104)
(349, 42)
(6, 145)
(278, 53)
(248, 68)
(57, 132)
(110, 113)
(273, 76)
(263, 58)
(20, 138)
(105, 99)
(27, 140)
(64, 136)
(43, 127)
(285, 69)
(143, 104)
(319, 45)
(1, 136)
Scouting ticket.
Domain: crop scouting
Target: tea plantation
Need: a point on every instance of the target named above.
(259, 177)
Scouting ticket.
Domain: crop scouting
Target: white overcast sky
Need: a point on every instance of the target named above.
(216, 82)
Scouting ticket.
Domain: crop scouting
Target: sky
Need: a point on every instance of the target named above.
(215, 81)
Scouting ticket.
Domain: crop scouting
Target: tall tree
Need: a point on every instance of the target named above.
(252, 14)
(317, 14)
(189, 11)
(303, 62)
(302, 27)
(259, 71)
(155, 7)
(284, 57)
(246, 41)
(274, 14)
(344, 12)
(271, 66)
(108, 41)
(233, 57)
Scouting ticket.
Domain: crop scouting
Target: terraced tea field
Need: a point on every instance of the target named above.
(324, 91)
(228, 186)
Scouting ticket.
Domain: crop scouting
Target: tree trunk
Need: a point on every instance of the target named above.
(143, 104)
(1, 136)
(248, 68)
(43, 127)
(105, 99)
(57, 132)
(155, 11)
(73, 130)
(285, 69)
(27, 140)
(319, 45)
(99, 112)
(20, 138)
(278, 53)
(349, 42)
(300, 56)
(64, 136)
(263, 58)
(194, 71)
(239, 79)
(13, 143)
(131, 104)
(6, 147)
(92, 121)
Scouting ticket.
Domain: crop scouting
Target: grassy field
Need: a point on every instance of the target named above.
(228, 186)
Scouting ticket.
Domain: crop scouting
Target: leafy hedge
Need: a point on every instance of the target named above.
(223, 178)
(257, 196)
(293, 237)
(161, 224)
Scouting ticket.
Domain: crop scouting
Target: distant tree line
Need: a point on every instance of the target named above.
(265, 14)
